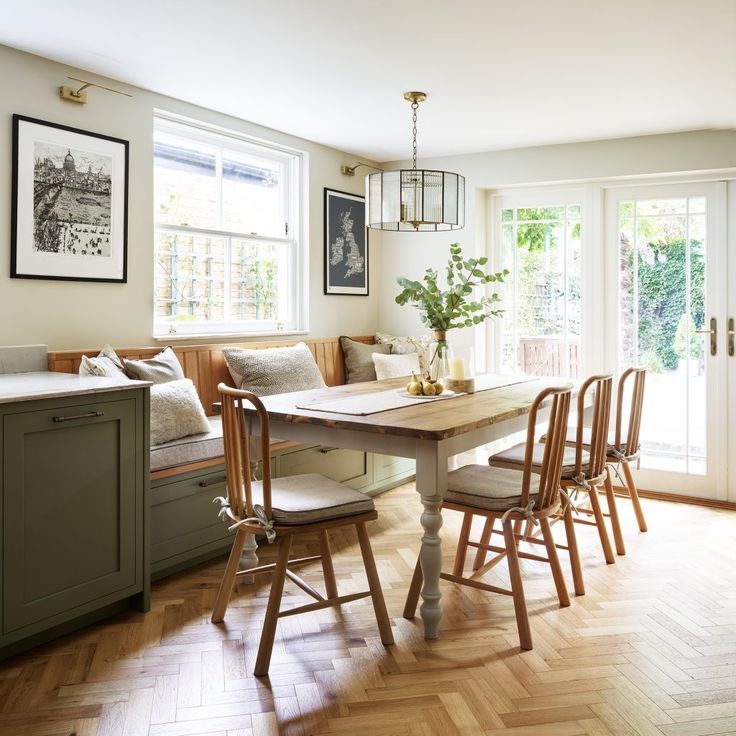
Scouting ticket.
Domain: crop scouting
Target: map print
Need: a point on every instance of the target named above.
(354, 262)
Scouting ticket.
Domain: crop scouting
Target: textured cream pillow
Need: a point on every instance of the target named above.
(106, 363)
(176, 411)
(273, 370)
(403, 345)
(394, 366)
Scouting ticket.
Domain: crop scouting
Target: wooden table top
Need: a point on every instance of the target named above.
(431, 420)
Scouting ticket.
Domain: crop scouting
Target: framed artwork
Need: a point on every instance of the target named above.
(70, 204)
(346, 244)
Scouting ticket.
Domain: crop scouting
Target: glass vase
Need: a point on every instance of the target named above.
(439, 357)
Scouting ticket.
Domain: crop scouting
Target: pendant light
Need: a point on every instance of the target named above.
(419, 200)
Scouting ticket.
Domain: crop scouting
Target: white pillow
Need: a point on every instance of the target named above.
(406, 344)
(394, 366)
(176, 411)
(106, 363)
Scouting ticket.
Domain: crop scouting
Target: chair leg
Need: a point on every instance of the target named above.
(485, 538)
(328, 570)
(374, 583)
(618, 536)
(600, 522)
(554, 563)
(634, 493)
(228, 578)
(415, 588)
(263, 660)
(462, 544)
(517, 587)
(572, 548)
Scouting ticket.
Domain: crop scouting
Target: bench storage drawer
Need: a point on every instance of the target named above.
(351, 467)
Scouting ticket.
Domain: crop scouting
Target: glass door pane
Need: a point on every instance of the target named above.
(540, 329)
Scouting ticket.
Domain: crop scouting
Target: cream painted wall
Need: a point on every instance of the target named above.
(408, 254)
(68, 315)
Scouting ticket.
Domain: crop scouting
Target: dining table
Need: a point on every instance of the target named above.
(381, 417)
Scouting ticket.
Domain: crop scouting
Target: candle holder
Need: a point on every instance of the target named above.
(461, 370)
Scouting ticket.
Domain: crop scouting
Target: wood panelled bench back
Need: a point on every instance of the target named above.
(205, 364)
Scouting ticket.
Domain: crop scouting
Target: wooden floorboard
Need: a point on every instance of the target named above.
(650, 650)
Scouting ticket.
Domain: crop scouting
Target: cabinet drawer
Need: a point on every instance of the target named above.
(341, 465)
(70, 502)
(184, 522)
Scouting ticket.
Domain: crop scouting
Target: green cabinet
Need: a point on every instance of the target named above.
(73, 506)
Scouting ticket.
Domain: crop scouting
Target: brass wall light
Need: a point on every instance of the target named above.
(419, 200)
(80, 95)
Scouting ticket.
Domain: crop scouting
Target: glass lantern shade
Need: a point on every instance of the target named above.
(417, 200)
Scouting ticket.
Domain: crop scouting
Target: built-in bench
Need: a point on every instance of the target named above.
(187, 473)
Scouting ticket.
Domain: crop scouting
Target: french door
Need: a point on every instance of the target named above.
(667, 310)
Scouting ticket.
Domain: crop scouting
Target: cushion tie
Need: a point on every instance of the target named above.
(581, 482)
(528, 513)
(569, 498)
(259, 518)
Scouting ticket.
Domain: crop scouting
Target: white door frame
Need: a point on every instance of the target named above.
(714, 484)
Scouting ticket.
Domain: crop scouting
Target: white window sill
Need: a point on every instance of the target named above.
(179, 336)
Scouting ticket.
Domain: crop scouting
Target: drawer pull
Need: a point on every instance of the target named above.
(212, 482)
(88, 415)
(325, 450)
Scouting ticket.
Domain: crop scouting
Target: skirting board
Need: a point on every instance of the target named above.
(676, 498)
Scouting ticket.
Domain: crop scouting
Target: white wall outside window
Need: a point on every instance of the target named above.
(228, 238)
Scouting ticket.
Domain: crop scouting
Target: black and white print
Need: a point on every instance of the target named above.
(346, 244)
(70, 191)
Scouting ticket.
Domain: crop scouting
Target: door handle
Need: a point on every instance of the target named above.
(731, 333)
(713, 332)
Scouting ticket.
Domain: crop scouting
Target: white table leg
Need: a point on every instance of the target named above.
(431, 484)
(249, 555)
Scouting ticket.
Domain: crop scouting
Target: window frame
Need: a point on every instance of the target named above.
(293, 163)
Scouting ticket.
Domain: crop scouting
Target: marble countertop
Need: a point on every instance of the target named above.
(49, 385)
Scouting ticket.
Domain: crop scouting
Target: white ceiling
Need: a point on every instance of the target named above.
(499, 73)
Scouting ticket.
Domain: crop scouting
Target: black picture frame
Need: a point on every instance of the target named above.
(346, 246)
(68, 224)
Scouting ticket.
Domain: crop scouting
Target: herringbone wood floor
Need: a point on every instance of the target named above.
(650, 650)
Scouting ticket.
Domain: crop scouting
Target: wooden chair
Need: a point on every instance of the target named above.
(583, 465)
(285, 508)
(512, 496)
(625, 448)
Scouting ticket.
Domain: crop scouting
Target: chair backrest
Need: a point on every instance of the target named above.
(237, 452)
(554, 447)
(602, 387)
(635, 409)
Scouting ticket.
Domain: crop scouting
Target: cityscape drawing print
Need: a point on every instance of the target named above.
(72, 201)
(346, 247)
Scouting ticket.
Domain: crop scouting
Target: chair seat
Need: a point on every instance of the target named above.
(516, 455)
(483, 487)
(572, 437)
(311, 498)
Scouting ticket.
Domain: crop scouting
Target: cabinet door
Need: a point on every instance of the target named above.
(69, 507)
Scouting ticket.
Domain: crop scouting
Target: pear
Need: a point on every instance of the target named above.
(428, 388)
(438, 388)
(414, 387)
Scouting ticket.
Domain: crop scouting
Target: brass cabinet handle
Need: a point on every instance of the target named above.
(713, 332)
(731, 333)
(325, 450)
(212, 481)
(88, 415)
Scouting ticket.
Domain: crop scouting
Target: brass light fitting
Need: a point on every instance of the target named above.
(80, 95)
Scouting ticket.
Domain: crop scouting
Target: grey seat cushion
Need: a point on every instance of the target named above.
(515, 455)
(310, 498)
(493, 489)
(192, 449)
(572, 437)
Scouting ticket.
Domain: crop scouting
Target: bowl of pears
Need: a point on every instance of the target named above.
(423, 386)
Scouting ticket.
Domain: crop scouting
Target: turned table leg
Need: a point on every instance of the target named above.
(431, 485)
(249, 555)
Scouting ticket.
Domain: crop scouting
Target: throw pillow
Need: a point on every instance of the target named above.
(176, 411)
(359, 361)
(403, 345)
(106, 363)
(161, 368)
(273, 370)
(394, 366)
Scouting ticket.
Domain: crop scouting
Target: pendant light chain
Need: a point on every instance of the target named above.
(414, 107)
